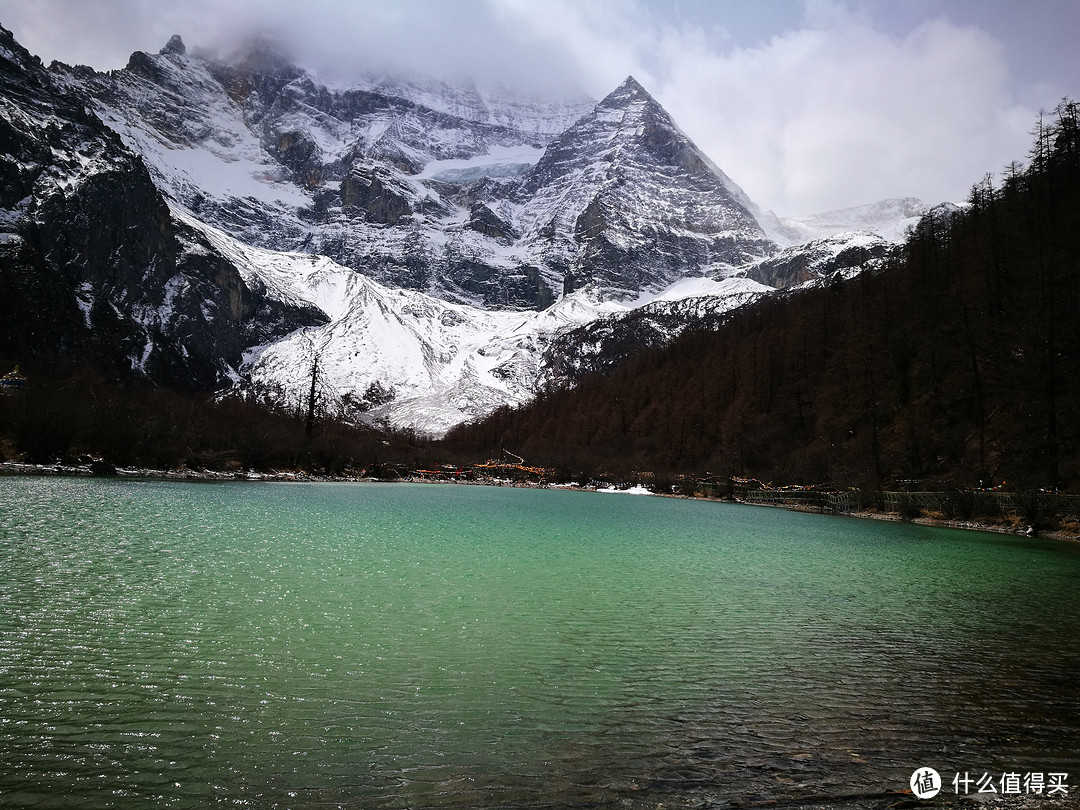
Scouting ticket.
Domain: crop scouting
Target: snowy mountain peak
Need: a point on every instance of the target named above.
(174, 45)
(629, 88)
(611, 200)
(633, 101)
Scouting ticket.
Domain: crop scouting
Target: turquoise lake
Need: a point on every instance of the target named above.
(408, 646)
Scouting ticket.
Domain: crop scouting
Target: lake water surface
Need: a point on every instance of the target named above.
(389, 646)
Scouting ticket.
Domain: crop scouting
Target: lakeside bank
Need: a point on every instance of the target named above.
(1014, 526)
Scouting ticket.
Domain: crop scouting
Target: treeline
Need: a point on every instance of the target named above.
(958, 361)
(70, 413)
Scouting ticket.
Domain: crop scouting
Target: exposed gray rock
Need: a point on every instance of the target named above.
(375, 192)
(94, 267)
(820, 258)
(174, 45)
(483, 220)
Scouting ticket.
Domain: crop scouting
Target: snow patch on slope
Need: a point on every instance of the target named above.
(446, 363)
(229, 176)
(699, 287)
(498, 161)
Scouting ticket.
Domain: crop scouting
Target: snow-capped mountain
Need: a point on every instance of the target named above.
(624, 199)
(481, 200)
(888, 219)
(92, 266)
(439, 251)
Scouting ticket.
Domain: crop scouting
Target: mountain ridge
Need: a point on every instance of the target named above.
(255, 162)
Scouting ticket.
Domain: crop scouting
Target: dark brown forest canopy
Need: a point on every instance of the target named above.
(960, 361)
(71, 413)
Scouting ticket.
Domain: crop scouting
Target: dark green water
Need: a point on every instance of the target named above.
(301, 646)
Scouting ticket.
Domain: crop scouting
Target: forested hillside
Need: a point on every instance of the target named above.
(959, 360)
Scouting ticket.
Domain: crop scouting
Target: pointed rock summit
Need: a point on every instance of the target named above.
(632, 102)
(629, 90)
(174, 45)
(632, 204)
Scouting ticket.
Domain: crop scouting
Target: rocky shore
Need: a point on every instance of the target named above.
(104, 469)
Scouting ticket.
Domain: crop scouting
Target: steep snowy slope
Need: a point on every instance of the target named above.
(92, 267)
(395, 355)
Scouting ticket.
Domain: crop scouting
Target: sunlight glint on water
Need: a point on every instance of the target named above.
(418, 646)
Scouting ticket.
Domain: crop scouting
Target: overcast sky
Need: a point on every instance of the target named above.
(808, 104)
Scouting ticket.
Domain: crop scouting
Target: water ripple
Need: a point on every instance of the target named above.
(185, 646)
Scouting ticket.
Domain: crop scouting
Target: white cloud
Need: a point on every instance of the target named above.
(831, 114)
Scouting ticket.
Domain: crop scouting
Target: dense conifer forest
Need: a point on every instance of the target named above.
(72, 413)
(957, 362)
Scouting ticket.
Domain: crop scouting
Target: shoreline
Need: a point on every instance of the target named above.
(16, 468)
(939, 523)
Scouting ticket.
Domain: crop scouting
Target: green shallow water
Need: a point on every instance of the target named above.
(367, 645)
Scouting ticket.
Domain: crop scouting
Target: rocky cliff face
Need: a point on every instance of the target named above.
(92, 266)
